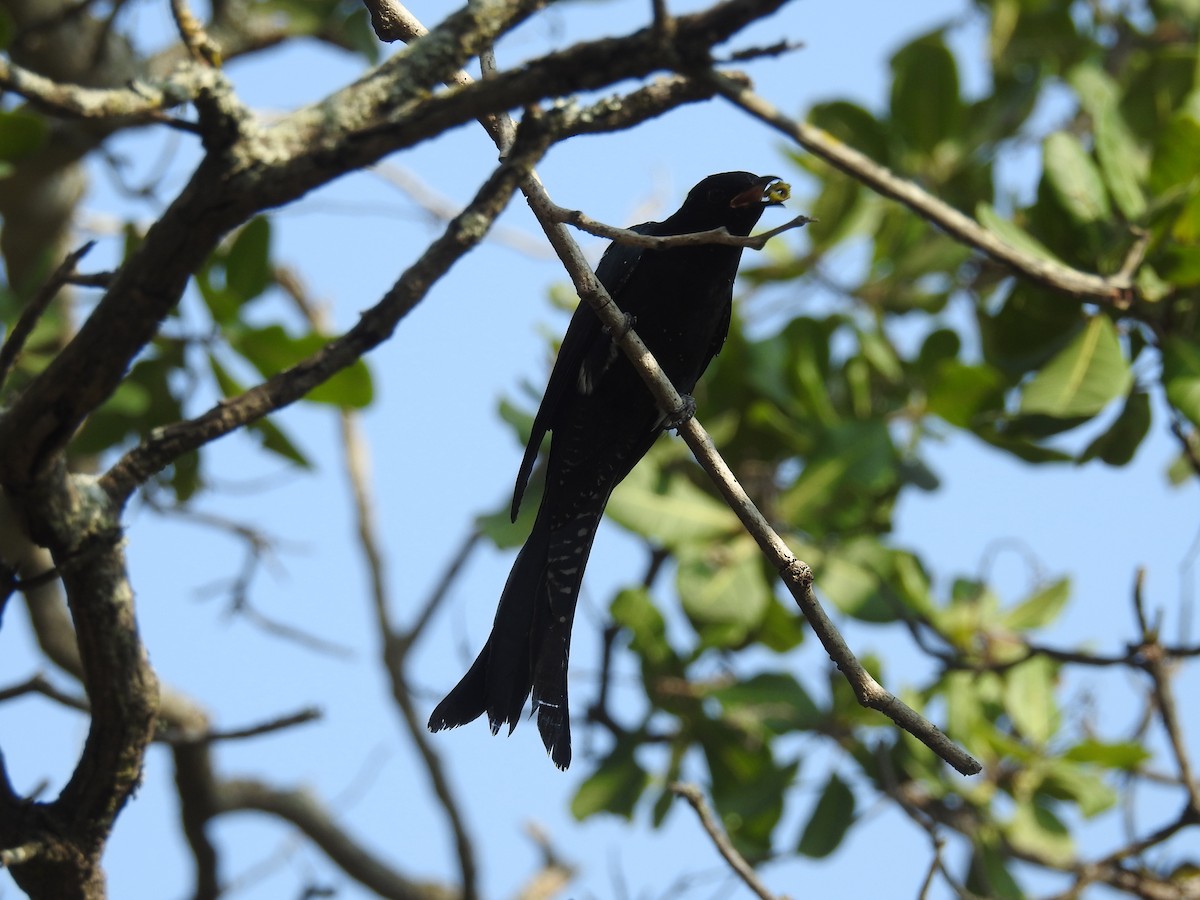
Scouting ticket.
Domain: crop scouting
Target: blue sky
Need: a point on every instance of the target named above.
(440, 455)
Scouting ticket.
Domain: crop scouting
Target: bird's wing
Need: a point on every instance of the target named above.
(580, 347)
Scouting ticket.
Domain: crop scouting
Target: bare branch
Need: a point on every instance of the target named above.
(180, 737)
(39, 684)
(305, 813)
(202, 48)
(375, 326)
(719, 236)
(737, 862)
(14, 343)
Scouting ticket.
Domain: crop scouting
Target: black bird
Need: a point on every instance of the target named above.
(603, 419)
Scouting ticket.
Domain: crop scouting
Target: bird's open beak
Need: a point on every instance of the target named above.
(769, 191)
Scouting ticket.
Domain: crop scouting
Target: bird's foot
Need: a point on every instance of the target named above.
(686, 410)
(627, 323)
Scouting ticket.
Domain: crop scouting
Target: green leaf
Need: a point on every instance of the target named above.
(1086, 789)
(835, 212)
(848, 576)
(925, 108)
(498, 527)
(958, 392)
(1122, 163)
(270, 435)
(670, 510)
(1120, 442)
(614, 787)
(1041, 608)
(1029, 699)
(830, 820)
(853, 125)
(6, 29)
(1036, 829)
(22, 134)
(723, 589)
(782, 628)
(1181, 376)
(634, 611)
(1176, 160)
(248, 269)
(1012, 233)
(853, 458)
(1126, 756)
(988, 875)
(770, 701)
(1082, 379)
(1075, 178)
(272, 350)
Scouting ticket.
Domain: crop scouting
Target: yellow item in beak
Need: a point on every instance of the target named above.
(778, 192)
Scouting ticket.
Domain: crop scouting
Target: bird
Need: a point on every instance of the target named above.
(602, 419)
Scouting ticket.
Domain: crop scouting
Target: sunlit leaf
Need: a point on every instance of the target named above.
(1085, 377)
(1041, 608)
(1029, 699)
(1124, 755)
(926, 108)
(1075, 178)
(723, 589)
(670, 510)
(272, 350)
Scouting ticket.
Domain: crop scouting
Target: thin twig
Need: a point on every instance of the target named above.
(178, 737)
(737, 862)
(32, 314)
(39, 684)
(719, 236)
(202, 48)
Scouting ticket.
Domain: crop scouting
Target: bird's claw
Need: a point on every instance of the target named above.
(686, 410)
(627, 321)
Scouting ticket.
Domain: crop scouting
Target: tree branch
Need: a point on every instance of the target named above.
(15, 340)
(306, 814)
(374, 327)
(719, 236)
(737, 862)
(1115, 292)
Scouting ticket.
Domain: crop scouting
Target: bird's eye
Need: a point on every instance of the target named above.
(779, 191)
(716, 195)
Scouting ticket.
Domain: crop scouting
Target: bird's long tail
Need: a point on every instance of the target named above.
(530, 641)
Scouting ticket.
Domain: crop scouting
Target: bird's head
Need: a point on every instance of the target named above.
(732, 199)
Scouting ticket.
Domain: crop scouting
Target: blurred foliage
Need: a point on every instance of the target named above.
(825, 417)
